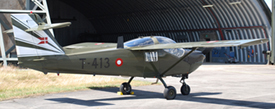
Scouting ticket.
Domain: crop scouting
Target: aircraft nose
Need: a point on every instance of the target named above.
(194, 58)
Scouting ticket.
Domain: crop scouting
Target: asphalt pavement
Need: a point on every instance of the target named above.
(213, 86)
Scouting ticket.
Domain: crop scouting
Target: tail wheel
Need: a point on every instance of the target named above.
(125, 88)
(185, 89)
(170, 93)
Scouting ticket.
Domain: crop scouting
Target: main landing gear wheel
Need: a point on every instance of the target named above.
(125, 88)
(170, 93)
(185, 89)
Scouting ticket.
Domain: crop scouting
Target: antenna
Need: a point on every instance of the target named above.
(120, 42)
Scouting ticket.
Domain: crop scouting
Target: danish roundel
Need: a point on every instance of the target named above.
(119, 62)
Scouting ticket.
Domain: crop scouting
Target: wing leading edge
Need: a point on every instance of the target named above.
(205, 44)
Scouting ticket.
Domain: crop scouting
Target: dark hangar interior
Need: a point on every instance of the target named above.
(180, 20)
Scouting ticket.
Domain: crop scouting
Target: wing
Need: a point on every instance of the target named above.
(89, 45)
(205, 44)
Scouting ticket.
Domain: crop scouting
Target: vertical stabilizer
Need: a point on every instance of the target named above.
(37, 42)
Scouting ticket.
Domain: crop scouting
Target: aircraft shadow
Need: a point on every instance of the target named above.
(140, 94)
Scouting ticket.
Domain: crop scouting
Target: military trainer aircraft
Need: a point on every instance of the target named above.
(148, 57)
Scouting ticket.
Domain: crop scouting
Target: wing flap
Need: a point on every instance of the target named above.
(209, 44)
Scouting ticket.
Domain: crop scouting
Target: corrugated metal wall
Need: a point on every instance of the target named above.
(230, 19)
(61, 12)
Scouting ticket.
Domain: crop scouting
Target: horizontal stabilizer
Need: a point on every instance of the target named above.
(49, 26)
(204, 44)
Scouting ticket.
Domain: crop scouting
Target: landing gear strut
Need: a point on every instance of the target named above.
(169, 91)
(126, 88)
(185, 89)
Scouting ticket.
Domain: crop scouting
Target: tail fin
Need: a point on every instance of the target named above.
(37, 42)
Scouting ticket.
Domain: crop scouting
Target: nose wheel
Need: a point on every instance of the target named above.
(185, 88)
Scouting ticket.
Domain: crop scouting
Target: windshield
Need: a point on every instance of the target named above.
(174, 51)
(139, 42)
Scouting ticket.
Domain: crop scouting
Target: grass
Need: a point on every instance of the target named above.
(19, 83)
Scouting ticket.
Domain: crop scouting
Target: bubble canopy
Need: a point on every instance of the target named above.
(146, 41)
(139, 42)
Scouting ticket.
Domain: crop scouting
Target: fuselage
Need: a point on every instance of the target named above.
(107, 59)
(113, 61)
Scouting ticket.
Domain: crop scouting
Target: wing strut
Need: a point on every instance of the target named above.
(193, 49)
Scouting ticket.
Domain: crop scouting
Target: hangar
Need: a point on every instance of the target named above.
(180, 20)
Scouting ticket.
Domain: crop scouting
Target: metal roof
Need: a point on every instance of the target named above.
(230, 19)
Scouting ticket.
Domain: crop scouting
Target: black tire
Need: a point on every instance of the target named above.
(125, 88)
(185, 89)
(170, 93)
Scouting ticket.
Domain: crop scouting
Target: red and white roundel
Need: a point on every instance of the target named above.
(119, 62)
